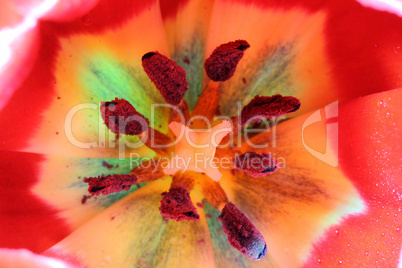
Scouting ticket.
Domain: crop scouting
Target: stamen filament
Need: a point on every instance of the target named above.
(148, 171)
(182, 115)
(206, 105)
(212, 191)
(185, 179)
(157, 141)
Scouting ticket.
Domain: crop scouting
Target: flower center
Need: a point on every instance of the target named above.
(195, 163)
(195, 151)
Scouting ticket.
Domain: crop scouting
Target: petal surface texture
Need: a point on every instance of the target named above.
(81, 64)
(335, 198)
(370, 131)
(317, 51)
(125, 235)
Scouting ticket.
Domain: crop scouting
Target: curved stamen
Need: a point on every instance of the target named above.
(255, 164)
(148, 171)
(185, 179)
(109, 184)
(181, 115)
(122, 118)
(206, 105)
(168, 77)
(176, 205)
(222, 63)
(157, 141)
(242, 234)
(212, 191)
(268, 107)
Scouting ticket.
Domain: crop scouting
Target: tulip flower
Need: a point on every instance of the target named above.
(330, 195)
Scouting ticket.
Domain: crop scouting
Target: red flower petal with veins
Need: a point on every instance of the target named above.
(26, 220)
(358, 62)
(370, 153)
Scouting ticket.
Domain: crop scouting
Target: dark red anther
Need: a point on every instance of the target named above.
(109, 184)
(242, 234)
(221, 64)
(168, 77)
(122, 118)
(268, 107)
(255, 164)
(176, 205)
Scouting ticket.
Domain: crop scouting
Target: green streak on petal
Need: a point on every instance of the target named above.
(151, 234)
(194, 52)
(268, 75)
(104, 79)
(224, 253)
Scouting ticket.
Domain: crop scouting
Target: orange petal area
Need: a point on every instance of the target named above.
(186, 23)
(286, 54)
(294, 206)
(195, 150)
(94, 68)
(62, 185)
(132, 232)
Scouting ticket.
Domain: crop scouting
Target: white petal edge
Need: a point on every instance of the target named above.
(25, 258)
(391, 6)
(9, 36)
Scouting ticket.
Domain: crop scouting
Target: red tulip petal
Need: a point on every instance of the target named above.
(44, 197)
(132, 232)
(370, 153)
(18, 32)
(76, 71)
(317, 51)
(26, 220)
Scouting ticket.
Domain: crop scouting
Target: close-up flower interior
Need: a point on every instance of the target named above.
(200, 133)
